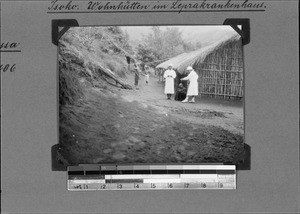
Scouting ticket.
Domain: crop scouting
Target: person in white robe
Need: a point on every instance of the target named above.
(169, 76)
(193, 86)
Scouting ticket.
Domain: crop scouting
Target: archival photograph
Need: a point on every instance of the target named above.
(150, 94)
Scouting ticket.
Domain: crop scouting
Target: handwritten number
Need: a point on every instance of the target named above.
(13, 68)
(137, 186)
(103, 186)
(153, 186)
(119, 186)
(4, 68)
(7, 67)
(186, 185)
(203, 185)
(170, 185)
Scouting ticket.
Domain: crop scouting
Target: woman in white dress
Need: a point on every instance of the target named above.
(193, 86)
(169, 76)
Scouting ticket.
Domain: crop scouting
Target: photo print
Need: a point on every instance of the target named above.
(150, 95)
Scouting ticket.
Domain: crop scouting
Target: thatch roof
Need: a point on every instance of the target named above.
(182, 61)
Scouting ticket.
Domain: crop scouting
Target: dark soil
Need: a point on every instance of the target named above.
(106, 128)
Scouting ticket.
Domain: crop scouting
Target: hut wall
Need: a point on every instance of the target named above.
(221, 73)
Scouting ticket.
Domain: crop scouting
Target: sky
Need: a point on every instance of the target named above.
(206, 34)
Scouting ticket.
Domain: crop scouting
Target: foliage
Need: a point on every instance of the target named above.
(110, 45)
(121, 39)
(163, 44)
(146, 55)
(110, 40)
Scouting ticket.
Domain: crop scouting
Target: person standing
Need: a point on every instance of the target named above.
(147, 74)
(147, 78)
(193, 86)
(136, 75)
(169, 76)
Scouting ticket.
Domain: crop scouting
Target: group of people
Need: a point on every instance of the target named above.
(182, 94)
(192, 90)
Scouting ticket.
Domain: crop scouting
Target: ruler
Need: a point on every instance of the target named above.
(86, 177)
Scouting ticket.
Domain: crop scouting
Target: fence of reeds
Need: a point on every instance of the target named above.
(221, 74)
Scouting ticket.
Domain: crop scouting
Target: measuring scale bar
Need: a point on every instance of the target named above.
(150, 186)
(92, 177)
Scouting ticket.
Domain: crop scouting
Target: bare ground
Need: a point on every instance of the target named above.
(141, 126)
(223, 113)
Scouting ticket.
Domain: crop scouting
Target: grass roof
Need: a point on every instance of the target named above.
(182, 61)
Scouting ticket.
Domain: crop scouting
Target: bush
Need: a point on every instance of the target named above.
(115, 63)
(69, 85)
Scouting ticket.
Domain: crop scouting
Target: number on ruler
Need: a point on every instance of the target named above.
(203, 185)
(153, 186)
(186, 185)
(77, 186)
(119, 186)
(137, 186)
(170, 185)
(103, 186)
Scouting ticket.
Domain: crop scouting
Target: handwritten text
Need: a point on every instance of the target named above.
(7, 67)
(155, 6)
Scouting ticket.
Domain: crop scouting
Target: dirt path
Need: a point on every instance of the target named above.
(141, 126)
(204, 111)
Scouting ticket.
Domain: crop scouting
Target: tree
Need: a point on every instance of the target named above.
(146, 55)
(155, 41)
(173, 42)
(119, 39)
(198, 45)
(161, 44)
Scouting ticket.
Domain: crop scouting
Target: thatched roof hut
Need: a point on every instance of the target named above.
(219, 66)
(182, 61)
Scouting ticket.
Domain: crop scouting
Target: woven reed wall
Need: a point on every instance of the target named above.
(221, 73)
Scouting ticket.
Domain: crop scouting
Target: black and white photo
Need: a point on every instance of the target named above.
(151, 94)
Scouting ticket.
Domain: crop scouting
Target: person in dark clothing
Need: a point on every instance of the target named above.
(136, 76)
(180, 93)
